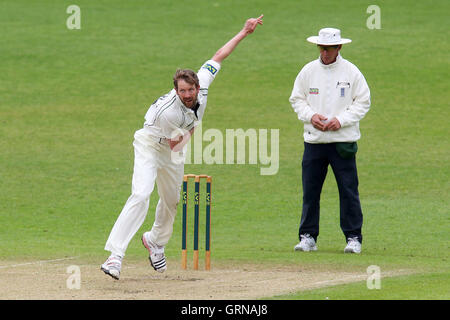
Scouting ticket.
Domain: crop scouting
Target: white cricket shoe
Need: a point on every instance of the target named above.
(112, 266)
(306, 243)
(353, 245)
(156, 253)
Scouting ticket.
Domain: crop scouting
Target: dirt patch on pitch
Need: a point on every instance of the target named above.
(58, 279)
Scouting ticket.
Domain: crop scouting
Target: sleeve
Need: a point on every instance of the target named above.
(360, 105)
(298, 98)
(207, 73)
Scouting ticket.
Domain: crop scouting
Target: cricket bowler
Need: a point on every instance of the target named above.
(177, 111)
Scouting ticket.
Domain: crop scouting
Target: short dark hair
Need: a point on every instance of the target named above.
(187, 75)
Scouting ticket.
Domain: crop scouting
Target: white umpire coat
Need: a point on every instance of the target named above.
(335, 90)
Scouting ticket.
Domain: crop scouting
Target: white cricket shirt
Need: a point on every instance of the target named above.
(335, 90)
(167, 115)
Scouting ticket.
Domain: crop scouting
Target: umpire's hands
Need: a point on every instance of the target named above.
(320, 123)
(332, 125)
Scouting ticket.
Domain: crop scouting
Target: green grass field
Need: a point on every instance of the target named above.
(71, 100)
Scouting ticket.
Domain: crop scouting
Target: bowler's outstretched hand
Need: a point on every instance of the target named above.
(252, 23)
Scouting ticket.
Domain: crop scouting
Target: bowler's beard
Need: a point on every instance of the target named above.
(189, 103)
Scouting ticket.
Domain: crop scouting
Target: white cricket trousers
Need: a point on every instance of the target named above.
(152, 162)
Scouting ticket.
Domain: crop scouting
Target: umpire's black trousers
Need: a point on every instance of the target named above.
(316, 159)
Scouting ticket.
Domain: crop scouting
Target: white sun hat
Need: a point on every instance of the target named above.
(328, 37)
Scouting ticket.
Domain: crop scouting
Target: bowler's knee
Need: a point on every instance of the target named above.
(171, 201)
(140, 197)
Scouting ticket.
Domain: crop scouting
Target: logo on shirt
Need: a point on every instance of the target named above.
(313, 90)
(210, 68)
(342, 85)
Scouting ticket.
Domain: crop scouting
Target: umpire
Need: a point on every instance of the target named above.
(330, 96)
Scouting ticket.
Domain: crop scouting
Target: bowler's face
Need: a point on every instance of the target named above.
(187, 93)
(328, 54)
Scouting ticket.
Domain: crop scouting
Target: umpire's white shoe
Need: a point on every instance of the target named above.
(112, 266)
(353, 245)
(306, 243)
(156, 253)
